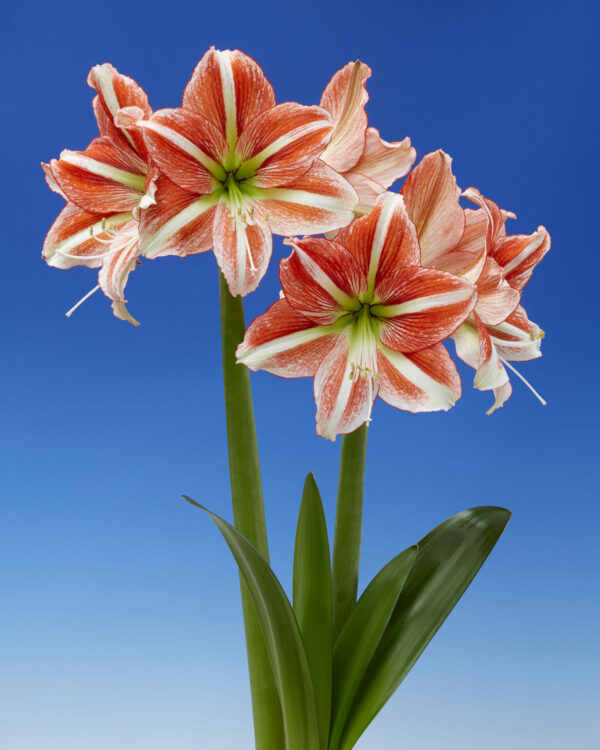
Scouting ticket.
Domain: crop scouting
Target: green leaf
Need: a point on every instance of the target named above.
(282, 638)
(312, 599)
(361, 635)
(449, 558)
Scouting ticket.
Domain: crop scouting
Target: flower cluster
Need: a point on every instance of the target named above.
(363, 310)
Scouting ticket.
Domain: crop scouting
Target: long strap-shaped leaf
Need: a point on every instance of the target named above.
(449, 558)
(312, 599)
(282, 638)
(361, 634)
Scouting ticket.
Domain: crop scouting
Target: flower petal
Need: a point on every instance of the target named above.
(383, 240)
(103, 178)
(422, 381)
(496, 300)
(344, 98)
(343, 402)
(321, 279)
(116, 91)
(421, 307)
(281, 143)
(519, 254)
(431, 195)
(319, 201)
(242, 250)
(385, 162)
(229, 89)
(180, 223)
(285, 343)
(368, 191)
(116, 267)
(187, 148)
(517, 339)
(79, 238)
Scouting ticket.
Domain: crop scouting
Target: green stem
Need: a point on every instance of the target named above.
(248, 514)
(348, 525)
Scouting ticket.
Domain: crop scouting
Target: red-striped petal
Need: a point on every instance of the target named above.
(281, 143)
(229, 89)
(116, 267)
(431, 195)
(321, 279)
(285, 343)
(422, 381)
(517, 339)
(385, 162)
(496, 300)
(519, 254)
(319, 201)
(102, 179)
(344, 98)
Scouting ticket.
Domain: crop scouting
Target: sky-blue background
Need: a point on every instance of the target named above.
(120, 625)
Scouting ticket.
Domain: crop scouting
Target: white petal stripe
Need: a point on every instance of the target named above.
(229, 98)
(108, 92)
(303, 198)
(381, 230)
(83, 235)
(136, 181)
(152, 245)
(429, 302)
(528, 250)
(437, 392)
(183, 144)
(323, 280)
(251, 165)
(257, 356)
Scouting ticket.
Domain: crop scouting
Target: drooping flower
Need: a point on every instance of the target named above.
(357, 151)
(106, 187)
(473, 244)
(238, 168)
(363, 317)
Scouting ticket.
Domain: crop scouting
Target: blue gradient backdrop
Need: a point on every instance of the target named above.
(120, 623)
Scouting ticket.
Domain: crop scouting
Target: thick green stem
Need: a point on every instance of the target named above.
(248, 514)
(348, 525)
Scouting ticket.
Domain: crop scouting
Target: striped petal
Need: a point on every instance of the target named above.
(321, 279)
(496, 300)
(319, 201)
(344, 401)
(116, 267)
(431, 195)
(285, 343)
(187, 148)
(421, 307)
(229, 89)
(102, 179)
(383, 240)
(519, 254)
(179, 223)
(344, 98)
(422, 381)
(281, 143)
(517, 339)
(242, 249)
(367, 190)
(79, 238)
(385, 162)
(116, 91)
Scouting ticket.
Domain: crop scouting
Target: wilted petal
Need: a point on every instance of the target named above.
(102, 179)
(344, 98)
(422, 381)
(421, 307)
(321, 279)
(229, 89)
(242, 249)
(383, 240)
(280, 144)
(344, 402)
(179, 223)
(285, 343)
(319, 201)
(431, 195)
(385, 162)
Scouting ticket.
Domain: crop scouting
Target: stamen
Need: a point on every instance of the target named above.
(527, 383)
(82, 300)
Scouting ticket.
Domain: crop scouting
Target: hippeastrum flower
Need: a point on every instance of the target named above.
(106, 187)
(473, 244)
(363, 317)
(238, 168)
(368, 162)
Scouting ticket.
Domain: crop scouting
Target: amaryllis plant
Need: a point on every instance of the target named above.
(368, 310)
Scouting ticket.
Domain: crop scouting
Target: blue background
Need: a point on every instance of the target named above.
(120, 623)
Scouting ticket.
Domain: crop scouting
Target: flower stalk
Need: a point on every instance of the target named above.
(248, 513)
(348, 525)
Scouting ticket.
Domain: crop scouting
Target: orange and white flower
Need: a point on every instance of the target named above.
(238, 168)
(473, 244)
(106, 187)
(363, 317)
(357, 151)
